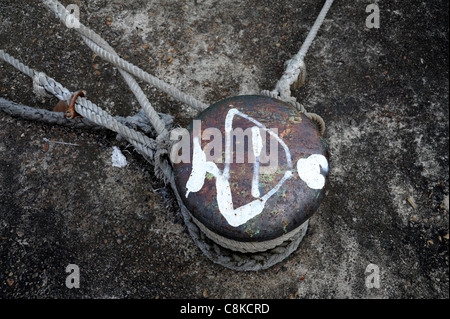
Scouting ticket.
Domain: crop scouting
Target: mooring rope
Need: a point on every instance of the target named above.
(295, 67)
(102, 49)
(316, 118)
(156, 150)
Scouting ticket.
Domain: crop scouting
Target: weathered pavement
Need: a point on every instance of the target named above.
(382, 92)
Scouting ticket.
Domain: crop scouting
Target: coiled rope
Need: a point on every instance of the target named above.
(156, 150)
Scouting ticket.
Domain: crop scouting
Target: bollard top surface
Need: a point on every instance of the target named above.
(251, 168)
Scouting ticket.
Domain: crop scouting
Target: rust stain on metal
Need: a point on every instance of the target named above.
(291, 204)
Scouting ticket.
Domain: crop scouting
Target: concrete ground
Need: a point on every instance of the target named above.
(383, 93)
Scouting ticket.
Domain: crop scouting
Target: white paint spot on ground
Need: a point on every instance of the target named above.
(117, 158)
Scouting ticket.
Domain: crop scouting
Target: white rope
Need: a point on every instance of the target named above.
(154, 150)
(296, 72)
(102, 49)
(296, 66)
(146, 147)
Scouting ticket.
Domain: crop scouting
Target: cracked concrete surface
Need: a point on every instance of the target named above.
(383, 94)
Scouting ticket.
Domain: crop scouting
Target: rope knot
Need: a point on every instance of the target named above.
(39, 82)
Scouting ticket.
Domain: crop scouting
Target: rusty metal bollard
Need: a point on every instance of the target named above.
(252, 172)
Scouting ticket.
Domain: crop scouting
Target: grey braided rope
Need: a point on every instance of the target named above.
(16, 63)
(146, 147)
